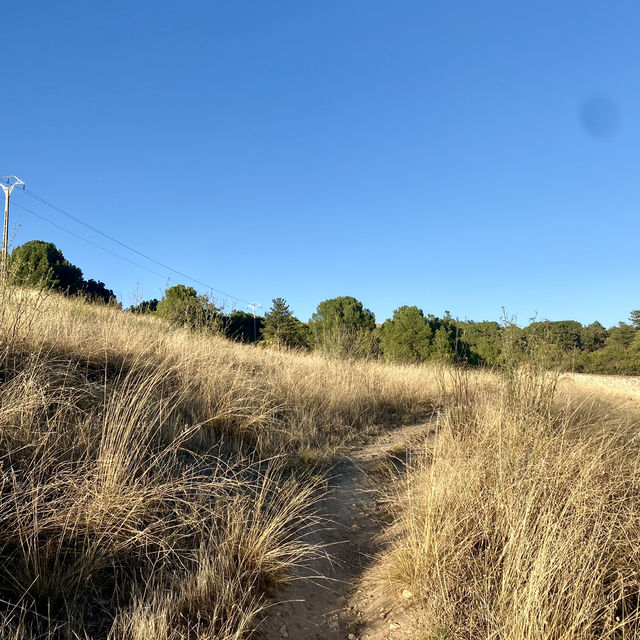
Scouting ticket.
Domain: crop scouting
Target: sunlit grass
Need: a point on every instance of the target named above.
(157, 483)
(521, 521)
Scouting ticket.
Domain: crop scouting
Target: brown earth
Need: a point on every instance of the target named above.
(334, 598)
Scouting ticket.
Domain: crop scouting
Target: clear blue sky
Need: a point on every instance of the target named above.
(452, 155)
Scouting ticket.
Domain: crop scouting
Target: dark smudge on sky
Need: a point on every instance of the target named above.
(599, 117)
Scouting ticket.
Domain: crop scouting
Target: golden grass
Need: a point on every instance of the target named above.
(267, 398)
(156, 483)
(150, 478)
(522, 521)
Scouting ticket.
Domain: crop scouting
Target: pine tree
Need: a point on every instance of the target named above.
(442, 348)
(282, 328)
(407, 336)
(344, 327)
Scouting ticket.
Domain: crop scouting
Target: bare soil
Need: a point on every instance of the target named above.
(334, 598)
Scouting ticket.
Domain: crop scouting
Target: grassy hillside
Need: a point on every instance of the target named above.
(153, 480)
(159, 483)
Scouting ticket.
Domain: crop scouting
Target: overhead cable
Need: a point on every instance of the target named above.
(91, 242)
(128, 247)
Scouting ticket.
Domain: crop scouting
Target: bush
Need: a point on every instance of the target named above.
(182, 306)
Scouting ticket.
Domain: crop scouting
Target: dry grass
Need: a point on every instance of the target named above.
(523, 520)
(150, 480)
(272, 400)
(153, 484)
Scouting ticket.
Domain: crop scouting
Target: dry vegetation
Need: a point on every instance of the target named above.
(523, 520)
(152, 482)
(156, 483)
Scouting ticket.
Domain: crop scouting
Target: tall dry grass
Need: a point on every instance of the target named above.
(522, 521)
(266, 398)
(150, 484)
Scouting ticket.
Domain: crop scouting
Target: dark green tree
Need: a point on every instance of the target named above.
(621, 336)
(96, 291)
(443, 350)
(447, 329)
(238, 325)
(41, 264)
(344, 327)
(634, 316)
(281, 328)
(513, 345)
(563, 334)
(620, 354)
(182, 306)
(481, 342)
(146, 306)
(593, 336)
(345, 311)
(407, 336)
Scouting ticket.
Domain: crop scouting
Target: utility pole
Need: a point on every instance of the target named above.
(254, 306)
(7, 183)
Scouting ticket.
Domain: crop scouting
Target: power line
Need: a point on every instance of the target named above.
(126, 246)
(95, 244)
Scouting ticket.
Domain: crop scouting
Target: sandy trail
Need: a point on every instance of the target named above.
(330, 600)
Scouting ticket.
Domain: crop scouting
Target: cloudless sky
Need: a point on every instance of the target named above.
(456, 155)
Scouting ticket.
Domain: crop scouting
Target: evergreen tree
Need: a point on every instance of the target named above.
(182, 306)
(146, 306)
(635, 318)
(277, 322)
(442, 348)
(239, 326)
(564, 334)
(96, 291)
(39, 263)
(344, 327)
(407, 336)
(481, 342)
(282, 328)
(621, 336)
(593, 336)
(42, 264)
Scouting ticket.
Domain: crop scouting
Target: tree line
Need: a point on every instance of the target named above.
(344, 327)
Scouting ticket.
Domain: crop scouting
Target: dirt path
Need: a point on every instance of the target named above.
(336, 604)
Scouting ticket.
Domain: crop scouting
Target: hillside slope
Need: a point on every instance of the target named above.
(155, 483)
